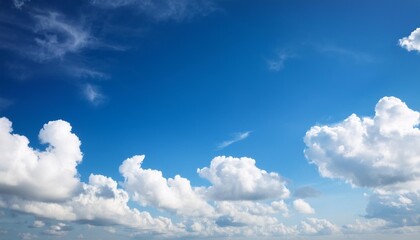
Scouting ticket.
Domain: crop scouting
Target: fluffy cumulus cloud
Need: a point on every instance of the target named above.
(380, 152)
(149, 187)
(412, 42)
(302, 206)
(240, 179)
(397, 209)
(163, 9)
(30, 173)
(46, 184)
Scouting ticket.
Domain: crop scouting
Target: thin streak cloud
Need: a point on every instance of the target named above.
(236, 138)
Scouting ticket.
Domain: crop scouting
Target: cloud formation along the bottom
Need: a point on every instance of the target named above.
(46, 184)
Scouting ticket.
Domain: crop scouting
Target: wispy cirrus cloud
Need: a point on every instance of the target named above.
(276, 64)
(20, 3)
(162, 10)
(57, 37)
(236, 138)
(93, 94)
(348, 54)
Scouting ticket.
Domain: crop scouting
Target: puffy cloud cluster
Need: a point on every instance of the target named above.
(380, 152)
(46, 184)
(412, 42)
(30, 173)
(315, 226)
(149, 187)
(397, 209)
(239, 179)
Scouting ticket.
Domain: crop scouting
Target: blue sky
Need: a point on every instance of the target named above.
(194, 119)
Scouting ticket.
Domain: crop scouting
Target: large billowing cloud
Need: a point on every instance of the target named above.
(149, 187)
(48, 175)
(412, 42)
(46, 184)
(239, 179)
(381, 152)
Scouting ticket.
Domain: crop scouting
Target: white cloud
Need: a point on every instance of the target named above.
(58, 229)
(245, 213)
(380, 152)
(277, 64)
(92, 94)
(365, 225)
(57, 37)
(19, 3)
(162, 10)
(46, 184)
(303, 207)
(38, 224)
(398, 209)
(239, 179)
(149, 187)
(412, 42)
(315, 226)
(237, 137)
(27, 236)
(30, 173)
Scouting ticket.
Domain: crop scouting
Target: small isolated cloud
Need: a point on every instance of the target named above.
(239, 179)
(303, 207)
(380, 152)
(162, 10)
(236, 138)
(38, 224)
(277, 64)
(57, 37)
(92, 94)
(58, 229)
(19, 3)
(412, 42)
